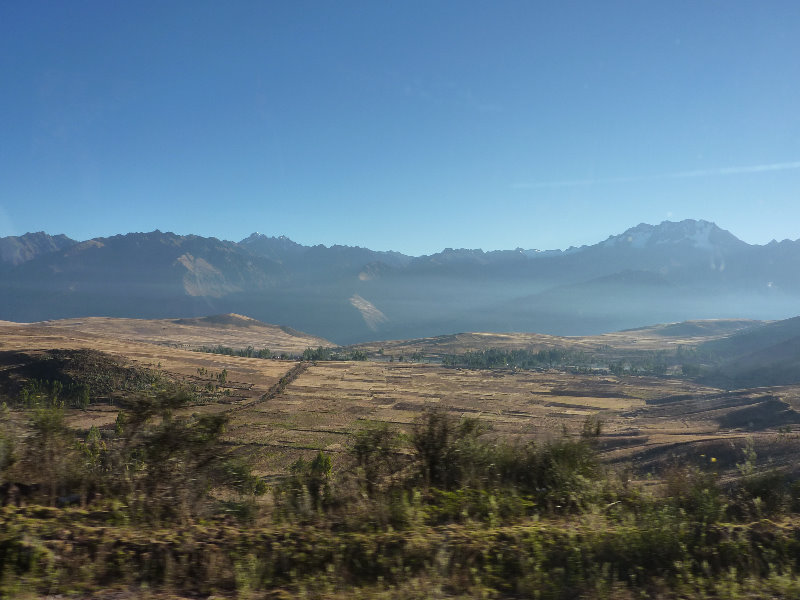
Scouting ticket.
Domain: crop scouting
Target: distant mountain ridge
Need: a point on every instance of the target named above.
(669, 272)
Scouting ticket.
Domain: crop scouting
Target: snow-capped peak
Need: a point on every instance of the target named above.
(697, 234)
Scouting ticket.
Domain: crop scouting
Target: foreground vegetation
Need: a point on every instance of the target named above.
(159, 504)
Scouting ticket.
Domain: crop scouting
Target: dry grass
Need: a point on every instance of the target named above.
(330, 400)
(235, 331)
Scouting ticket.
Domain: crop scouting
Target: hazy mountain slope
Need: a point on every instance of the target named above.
(142, 274)
(702, 272)
(663, 273)
(666, 248)
(764, 355)
(710, 327)
(15, 250)
(778, 364)
(754, 340)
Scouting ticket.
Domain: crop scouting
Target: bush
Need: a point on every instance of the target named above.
(307, 491)
(696, 492)
(375, 451)
(162, 468)
(558, 475)
(760, 495)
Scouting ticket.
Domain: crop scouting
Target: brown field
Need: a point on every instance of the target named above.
(248, 379)
(648, 422)
(232, 330)
(641, 422)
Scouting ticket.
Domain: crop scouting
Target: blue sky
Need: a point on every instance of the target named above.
(407, 125)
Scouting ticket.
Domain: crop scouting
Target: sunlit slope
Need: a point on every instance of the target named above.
(232, 330)
(652, 338)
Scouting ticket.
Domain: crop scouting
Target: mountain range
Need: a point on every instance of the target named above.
(669, 272)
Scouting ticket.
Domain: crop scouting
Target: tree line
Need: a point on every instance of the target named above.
(309, 354)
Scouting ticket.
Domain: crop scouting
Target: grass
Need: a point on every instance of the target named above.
(593, 558)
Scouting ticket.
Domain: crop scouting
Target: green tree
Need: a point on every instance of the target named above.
(375, 452)
(50, 452)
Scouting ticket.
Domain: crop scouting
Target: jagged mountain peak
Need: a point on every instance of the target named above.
(280, 241)
(257, 235)
(275, 248)
(15, 250)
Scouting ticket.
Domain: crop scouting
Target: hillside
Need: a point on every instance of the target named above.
(232, 330)
(764, 355)
(755, 339)
(662, 337)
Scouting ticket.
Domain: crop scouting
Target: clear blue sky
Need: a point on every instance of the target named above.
(407, 125)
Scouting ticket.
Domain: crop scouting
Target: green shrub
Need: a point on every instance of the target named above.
(697, 492)
(307, 491)
(761, 495)
(375, 451)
